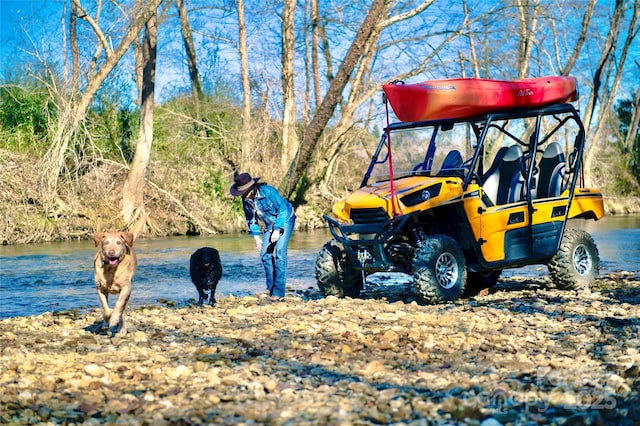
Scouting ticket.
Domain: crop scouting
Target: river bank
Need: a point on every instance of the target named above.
(176, 206)
(525, 353)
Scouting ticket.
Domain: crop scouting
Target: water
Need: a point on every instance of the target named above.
(37, 278)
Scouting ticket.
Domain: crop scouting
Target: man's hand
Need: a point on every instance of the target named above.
(258, 239)
(275, 235)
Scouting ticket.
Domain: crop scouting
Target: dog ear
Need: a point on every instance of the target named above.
(97, 238)
(128, 238)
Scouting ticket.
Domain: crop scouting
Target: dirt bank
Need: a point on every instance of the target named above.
(524, 354)
(177, 206)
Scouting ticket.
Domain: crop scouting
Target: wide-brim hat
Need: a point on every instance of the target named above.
(242, 184)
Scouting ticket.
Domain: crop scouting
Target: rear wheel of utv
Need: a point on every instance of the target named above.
(576, 264)
(439, 269)
(331, 276)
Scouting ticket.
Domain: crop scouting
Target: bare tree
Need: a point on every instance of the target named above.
(634, 125)
(607, 60)
(189, 47)
(289, 136)
(528, 21)
(133, 190)
(475, 63)
(73, 112)
(364, 88)
(246, 86)
(584, 28)
(315, 66)
(325, 111)
(75, 51)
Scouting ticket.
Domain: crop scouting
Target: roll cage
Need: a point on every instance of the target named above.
(473, 167)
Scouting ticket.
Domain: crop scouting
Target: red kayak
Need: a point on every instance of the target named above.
(470, 97)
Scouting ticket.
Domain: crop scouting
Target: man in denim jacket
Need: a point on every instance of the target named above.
(263, 203)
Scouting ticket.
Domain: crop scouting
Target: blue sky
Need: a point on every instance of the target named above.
(18, 20)
(22, 23)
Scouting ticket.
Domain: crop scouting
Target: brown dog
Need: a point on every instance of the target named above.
(114, 265)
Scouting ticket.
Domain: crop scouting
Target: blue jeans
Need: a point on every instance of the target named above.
(274, 259)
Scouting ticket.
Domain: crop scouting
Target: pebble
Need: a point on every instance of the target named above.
(523, 353)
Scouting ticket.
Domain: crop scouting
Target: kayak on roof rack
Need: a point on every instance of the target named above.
(470, 97)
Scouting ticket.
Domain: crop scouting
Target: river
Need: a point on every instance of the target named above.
(37, 278)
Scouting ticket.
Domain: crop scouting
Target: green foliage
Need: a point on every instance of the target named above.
(189, 129)
(25, 115)
(213, 184)
(624, 110)
(113, 129)
(619, 179)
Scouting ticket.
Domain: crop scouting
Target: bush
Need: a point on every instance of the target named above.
(25, 115)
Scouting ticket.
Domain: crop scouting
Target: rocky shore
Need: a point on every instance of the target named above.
(522, 354)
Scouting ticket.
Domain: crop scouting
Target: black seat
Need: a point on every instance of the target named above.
(502, 182)
(452, 164)
(551, 166)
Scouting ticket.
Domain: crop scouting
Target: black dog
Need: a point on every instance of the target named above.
(206, 271)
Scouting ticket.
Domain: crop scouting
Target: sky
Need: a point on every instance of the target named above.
(15, 17)
(20, 35)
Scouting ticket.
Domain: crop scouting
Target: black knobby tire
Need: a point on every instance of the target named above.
(577, 263)
(439, 269)
(331, 276)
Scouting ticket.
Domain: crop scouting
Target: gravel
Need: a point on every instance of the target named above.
(522, 354)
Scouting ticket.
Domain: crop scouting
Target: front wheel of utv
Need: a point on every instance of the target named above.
(576, 264)
(331, 276)
(439, 270)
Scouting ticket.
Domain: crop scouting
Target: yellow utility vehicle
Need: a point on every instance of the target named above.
(454, 202)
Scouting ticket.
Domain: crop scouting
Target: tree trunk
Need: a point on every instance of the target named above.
(133, 191)
(305, 111)
(528, 19)
(475, 63)
(606, 102)
(75, 51)
(245, 154)
(360, 91)
(315, 67)
(331, 99)
(289, 138)
(586, 19)
(70, 117)
(187, 38)
(605, 58)
(634, 125)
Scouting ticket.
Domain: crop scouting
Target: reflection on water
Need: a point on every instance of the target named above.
(37, 278)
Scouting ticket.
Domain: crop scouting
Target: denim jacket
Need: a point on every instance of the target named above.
(269, 207)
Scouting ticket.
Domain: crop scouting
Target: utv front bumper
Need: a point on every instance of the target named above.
(365, 244)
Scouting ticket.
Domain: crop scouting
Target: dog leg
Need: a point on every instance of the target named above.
(117, 316)
(202, 298)
(104, 301)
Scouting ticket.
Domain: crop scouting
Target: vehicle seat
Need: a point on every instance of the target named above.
(502, 183)
(452, 164)
(551, 166)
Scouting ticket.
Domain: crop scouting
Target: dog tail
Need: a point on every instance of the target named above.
(137, 227)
